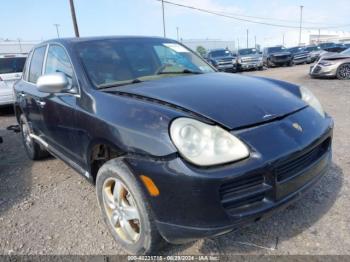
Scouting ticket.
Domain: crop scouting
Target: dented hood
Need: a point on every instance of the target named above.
(231, 100)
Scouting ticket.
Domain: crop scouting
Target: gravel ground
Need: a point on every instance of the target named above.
(47, 208)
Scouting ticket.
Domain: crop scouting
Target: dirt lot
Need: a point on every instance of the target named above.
(47, 208)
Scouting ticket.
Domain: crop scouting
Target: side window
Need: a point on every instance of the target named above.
(36, 64)
(26, 67)
(58, 61)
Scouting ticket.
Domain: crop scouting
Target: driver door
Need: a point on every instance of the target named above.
(59, 108)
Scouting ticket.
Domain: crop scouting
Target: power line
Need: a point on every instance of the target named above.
(217, 13)
(279, 20)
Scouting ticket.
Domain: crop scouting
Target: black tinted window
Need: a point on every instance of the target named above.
(11, 65)
(219, 53)
(58, 61)
(118, 62)
(36, 64)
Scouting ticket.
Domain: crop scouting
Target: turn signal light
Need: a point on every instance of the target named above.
(149, 184)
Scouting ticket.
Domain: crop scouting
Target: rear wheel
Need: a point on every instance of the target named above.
(125, 209)
(343, 72)
(33, 149)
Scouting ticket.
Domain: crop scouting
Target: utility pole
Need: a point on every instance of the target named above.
(301, 22)
(255, 41)
(20, 45)
(247, 38)
(58, 34)
(283, 39)
(164, 33)
(74, 18)
(319, 36)
(177, 31)
(238, 43)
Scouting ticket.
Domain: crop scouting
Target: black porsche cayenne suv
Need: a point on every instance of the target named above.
(177, 150)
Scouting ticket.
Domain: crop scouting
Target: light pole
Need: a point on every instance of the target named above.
(58, 33)
(164, 33)
(255, 41)
(177, 32)
(74, 18)
(20, 45)
(301, 22)
(247, 38)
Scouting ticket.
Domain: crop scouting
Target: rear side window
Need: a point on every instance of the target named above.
(57, 61)
(11, 65)
(36, 64)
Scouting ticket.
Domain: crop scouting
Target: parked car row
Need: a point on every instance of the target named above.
(332, 59)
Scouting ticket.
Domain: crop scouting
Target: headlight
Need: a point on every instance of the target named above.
(311, 99)
(204, 144)
(326, 63)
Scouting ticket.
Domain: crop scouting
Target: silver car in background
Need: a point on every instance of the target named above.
(333, 65)
(11, 67)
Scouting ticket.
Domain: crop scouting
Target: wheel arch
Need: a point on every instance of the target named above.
(100, 151)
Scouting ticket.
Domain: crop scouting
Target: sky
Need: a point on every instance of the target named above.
(34, 19)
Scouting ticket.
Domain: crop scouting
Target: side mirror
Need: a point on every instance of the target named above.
(52, 83)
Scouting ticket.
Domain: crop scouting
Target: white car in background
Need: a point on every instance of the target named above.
(11, 67)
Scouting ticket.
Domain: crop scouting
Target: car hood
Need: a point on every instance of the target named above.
(233, 101)
(335, 56)
(223, 58)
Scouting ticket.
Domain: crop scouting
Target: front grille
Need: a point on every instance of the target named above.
(280, 58)
(250, 60)
(317, 70)
(243, 192)
(291, 167)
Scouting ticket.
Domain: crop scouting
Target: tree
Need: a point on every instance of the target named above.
(201, 50)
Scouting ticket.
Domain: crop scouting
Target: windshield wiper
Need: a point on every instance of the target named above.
(185, 71)
(134, 81)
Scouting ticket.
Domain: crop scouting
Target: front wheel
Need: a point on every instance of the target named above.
(343, 72)
(33, 149)
(125, 209)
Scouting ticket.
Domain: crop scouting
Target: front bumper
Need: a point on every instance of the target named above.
(250, 65)
(202, 202)
(226, 67)
(302, 60)
(278, 61)
(323, 71)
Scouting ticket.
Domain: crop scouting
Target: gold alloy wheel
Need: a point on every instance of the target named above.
(121, 210)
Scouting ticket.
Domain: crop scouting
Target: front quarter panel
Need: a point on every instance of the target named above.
(133, 126)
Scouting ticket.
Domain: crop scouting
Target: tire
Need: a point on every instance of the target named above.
(33, 149)
(268, 64)
(291, 63)
(343, 72)
(145, 238)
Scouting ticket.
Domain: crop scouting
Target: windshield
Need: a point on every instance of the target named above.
(325, 45)
(346, 52)
(220, 53)
(276, 49)
(12, 65)
(123, 61)
(294, 50)
(312, 48)
(248, 51)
